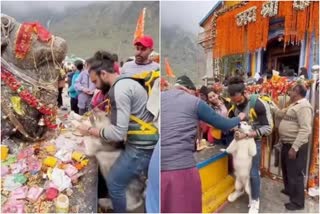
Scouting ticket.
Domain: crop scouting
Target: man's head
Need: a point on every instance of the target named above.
(185, 82)
(102, 72)
(203, 93)
(144, 47)
(236, 89)
(297, 92)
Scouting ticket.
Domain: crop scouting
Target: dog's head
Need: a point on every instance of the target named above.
(244, 127)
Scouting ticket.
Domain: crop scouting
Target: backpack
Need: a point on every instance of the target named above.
(145, 131)
(252, 103)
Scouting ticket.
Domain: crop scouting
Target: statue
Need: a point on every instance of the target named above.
(30, 62)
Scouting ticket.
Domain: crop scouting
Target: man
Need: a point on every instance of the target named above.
(142, 62)
(262, 126)
(128, 100)
(304, 72)
(180, 115)
(85, 88)
(294, 130)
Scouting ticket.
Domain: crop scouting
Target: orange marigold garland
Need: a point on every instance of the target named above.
(314, 165)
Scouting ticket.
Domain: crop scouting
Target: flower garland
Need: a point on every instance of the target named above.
(26, 96)
(228, 38)
(314, 166)
(275, 87)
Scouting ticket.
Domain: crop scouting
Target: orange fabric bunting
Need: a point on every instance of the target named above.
(168, 69)
(140, 26)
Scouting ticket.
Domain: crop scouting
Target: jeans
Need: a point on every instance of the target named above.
(131, 164)
(254, 173)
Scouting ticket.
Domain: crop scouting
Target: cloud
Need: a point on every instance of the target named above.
(25, 7)
(186, 14)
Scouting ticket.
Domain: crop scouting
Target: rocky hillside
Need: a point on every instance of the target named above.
(186, 57)
(100, 25)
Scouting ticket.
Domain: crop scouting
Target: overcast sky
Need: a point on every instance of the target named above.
(186, 14)
(27, 6)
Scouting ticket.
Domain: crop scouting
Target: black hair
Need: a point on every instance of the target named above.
(301, 90)
(90, 60)
(203, 90)
(102, 61)
(115, 57)
(79, 65)
(304, 72)
(236, 85)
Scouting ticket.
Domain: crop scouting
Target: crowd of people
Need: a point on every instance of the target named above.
(101, 78)
(189, 115)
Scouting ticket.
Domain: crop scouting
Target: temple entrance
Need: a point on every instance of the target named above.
(285, 60)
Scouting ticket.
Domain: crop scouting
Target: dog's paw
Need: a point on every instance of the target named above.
(223, 150)
(105, 203)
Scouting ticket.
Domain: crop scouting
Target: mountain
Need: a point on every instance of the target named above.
(100, 25)
(185, 56)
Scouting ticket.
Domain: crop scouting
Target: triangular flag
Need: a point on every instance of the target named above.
(168, 69)
(140, 25)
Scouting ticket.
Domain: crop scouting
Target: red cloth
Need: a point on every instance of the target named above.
(24, 37)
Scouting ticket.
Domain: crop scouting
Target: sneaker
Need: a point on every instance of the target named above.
(233, 196)
(254, 206)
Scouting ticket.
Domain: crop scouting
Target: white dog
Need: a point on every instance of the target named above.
(242, 152)
(107, 154)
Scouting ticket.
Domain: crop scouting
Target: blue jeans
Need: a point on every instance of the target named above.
(131, 163)
(254, 173)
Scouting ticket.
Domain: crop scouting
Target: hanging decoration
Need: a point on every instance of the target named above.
(247, 16)
(246, 25)
(26, 96)
(24, 37)
(313, 180)
(300, 4)
(140, 26)
(269, 9)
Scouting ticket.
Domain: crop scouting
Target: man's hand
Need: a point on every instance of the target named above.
(83, 129)
(242, 116)
(239, 135)
(292, 154)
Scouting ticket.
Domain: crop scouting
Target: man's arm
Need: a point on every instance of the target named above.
(304, 116)
(264, 118)
(208, 115)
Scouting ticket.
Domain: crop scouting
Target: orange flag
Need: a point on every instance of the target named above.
(168, 69)
(140, 25)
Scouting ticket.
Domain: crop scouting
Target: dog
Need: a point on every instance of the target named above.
(242, 152)
(106, 155)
